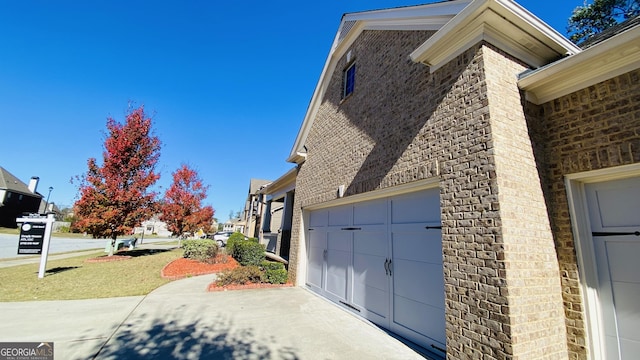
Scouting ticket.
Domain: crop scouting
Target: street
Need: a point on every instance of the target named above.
(9, 244)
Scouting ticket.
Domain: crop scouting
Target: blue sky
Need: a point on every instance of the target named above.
(227, 83)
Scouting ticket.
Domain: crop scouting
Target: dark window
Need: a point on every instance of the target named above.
(349, 81)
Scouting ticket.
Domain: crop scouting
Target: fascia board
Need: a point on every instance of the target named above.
(284, 183)
(508, 26)
(444, 8)
(610, 58)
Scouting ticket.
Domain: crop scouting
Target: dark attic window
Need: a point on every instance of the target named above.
(348, 80)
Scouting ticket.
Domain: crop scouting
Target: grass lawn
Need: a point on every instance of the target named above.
(73, 278)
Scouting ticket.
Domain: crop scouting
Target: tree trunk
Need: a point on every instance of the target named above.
(113, 245)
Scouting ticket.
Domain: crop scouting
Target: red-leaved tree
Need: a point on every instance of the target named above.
(182, 205)
(115, 196)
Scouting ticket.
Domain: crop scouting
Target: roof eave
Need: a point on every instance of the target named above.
(504, 24)
(612, 57)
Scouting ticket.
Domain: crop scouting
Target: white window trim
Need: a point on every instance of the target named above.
(345, 80)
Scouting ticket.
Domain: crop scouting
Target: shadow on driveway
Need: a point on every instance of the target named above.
(172, 338)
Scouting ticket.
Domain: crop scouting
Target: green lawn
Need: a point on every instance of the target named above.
(73, 278)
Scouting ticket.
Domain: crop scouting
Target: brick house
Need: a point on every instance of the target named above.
(470, 180)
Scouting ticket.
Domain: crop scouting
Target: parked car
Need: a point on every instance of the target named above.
(221, 237)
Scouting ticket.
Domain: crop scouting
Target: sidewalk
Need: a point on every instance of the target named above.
(36, 259)
(181, 320)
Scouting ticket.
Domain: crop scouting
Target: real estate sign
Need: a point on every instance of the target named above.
(31, 238)
(35, 237)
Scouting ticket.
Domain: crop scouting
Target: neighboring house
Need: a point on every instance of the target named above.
(277, 213)
(253, 206)
(17, 198)
(470, 180)
(50, 207)
(234, 225)
(153, 226)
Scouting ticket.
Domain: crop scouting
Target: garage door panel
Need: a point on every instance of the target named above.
(418, 246)
(629, 347)
(318, 218)
(624, 265)
(615, 204)
(369, 270)
(341, 216)
(416, 208)
(317, 245)
(370, 243)
(370, 213)
(316, 260)
(419, 282)
(421, 318)
(627, 301)
(337, 272)
(338, 241)
(371, 299)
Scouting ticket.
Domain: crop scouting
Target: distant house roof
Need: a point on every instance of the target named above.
(257, 184)
(9, 182)
(610, 32)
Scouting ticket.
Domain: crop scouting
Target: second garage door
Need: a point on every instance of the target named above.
(383, 260)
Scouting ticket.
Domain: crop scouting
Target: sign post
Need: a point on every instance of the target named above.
(35, 237)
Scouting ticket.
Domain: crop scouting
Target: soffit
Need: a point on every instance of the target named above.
(504, 24)
(282, 185)
(605, 60)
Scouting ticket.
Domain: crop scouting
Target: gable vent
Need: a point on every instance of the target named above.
(346, 27)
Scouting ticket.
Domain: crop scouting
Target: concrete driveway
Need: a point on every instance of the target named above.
(181, 320)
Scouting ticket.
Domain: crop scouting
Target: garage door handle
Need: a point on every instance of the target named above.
(636, 233)
(351, 228)
(386, 266)
(433, 227)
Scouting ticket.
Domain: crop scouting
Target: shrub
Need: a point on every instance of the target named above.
(231, 242)
(240, 275)
(274, 272)
(201, 250)
(247, 252)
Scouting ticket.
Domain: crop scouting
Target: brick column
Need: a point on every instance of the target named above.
(503, 294)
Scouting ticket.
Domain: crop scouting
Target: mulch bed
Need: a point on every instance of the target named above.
(215, 287)
(181, 268)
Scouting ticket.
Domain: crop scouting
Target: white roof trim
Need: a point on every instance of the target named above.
(612, 57)
(422, 17)
(502, 23)
(279, 187)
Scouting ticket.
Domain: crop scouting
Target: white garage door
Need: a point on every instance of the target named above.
(614, 213)
(383, 260)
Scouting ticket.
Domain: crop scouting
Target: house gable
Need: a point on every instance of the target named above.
(429, 17)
